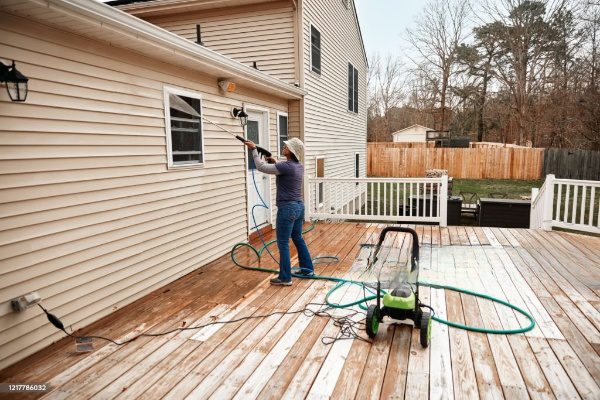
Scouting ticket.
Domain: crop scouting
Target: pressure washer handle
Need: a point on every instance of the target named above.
(415, 243)
(261, 151)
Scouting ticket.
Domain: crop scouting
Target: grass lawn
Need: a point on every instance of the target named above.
(483, 187)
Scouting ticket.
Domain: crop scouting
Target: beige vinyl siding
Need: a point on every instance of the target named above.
(330, 130)
(263, 33)
(294, 121)
(90, 216)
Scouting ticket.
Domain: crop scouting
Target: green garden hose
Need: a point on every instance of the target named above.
(362, 303)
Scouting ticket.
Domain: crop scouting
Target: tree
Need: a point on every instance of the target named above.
(386, 82)
(478, 59)
(525, 38)
(436, 37)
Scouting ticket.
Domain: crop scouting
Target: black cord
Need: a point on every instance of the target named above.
(348, 327)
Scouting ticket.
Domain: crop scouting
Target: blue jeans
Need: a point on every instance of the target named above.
(290, 217)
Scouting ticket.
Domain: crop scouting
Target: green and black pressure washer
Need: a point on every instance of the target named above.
(401, 301)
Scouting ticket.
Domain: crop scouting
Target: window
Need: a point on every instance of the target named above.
(183, 114)
(282, 130)
(315, 50)
(357, 165)
(320, 174)
(352, 88)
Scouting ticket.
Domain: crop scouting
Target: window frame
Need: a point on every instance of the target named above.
(320, 49)
(279, 147)
(354, 88)
(167, 109)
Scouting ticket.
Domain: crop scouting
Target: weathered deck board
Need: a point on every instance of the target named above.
(553, 275)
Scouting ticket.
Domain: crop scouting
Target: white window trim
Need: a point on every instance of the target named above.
(282, 114)
(310, 49)
(317, 158)
(166, 104)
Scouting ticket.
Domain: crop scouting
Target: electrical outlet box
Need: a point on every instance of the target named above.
(24, 302)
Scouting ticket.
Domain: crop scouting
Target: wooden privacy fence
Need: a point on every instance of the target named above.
(572, 164)
(469, 163)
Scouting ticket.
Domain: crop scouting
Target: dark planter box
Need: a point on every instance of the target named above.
(504, 213)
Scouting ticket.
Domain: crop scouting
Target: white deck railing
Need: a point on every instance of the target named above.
(566, 203)
(379, 199)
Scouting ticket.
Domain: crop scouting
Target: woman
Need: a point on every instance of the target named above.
(290, 208)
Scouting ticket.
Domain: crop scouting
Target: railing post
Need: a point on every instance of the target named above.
(548, 203)
(533, 216)
(443, 199)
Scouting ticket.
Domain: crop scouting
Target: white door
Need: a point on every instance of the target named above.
(258, 183)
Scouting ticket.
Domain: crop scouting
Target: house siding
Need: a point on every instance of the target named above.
(90, 216)
(330, 130)
(262, 33)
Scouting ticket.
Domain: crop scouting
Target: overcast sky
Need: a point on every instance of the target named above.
(384, 22)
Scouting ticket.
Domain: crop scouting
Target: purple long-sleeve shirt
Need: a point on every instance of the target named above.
(289, 178)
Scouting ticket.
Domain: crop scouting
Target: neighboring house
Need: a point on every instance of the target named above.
(316, 45)
(113, 184)
(414, 133)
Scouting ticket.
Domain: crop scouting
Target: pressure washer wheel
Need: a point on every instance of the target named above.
(425, 329)
(372, 321)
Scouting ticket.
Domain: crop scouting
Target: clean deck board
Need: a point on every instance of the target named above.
(553, 275)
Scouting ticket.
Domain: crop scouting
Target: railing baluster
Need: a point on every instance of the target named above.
(419, 190)
(592, 200)
(384, 198)
(582, 210)
(567, 195)
(574, 214)
(439, 201)
(559, 200)
(431, 192)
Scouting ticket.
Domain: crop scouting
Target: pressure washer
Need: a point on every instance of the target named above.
(401, 302)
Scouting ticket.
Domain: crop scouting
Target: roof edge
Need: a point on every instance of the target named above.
(105, 14)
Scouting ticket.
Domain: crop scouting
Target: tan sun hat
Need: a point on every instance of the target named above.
(296, 146)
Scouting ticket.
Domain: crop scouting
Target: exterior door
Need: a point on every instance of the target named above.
(258, 183)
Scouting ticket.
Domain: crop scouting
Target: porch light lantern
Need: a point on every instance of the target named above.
(241, 114)
(16, 82)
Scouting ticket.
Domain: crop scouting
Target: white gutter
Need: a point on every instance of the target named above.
(103, 14)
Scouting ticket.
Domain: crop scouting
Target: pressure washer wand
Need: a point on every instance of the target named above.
(261, 151)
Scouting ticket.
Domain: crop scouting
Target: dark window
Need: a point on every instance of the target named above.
(357, 165)
(186, 130)
(352, 88)
(252, 133)
(315, 49)
(283, 131)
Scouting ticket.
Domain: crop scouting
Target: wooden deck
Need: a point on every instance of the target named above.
(554, 275)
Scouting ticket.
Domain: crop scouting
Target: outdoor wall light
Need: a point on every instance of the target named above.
(16, 82)
(241, 114)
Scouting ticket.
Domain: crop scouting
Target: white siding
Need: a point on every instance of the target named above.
(90, 216)
(263, 33)
(330, 130)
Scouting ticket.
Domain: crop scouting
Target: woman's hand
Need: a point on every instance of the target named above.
(250, 144)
